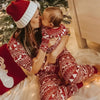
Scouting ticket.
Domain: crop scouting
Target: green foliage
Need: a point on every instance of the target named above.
(57, 3)
(7, 25)
(7, 28)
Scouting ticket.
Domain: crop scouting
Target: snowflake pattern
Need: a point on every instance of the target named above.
(19, 54)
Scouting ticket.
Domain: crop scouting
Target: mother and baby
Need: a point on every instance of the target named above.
(39, 46)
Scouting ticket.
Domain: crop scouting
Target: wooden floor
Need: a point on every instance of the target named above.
(93, 45)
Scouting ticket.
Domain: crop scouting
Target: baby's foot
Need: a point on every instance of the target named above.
(97, 67)
(90, 79)
(93, 77)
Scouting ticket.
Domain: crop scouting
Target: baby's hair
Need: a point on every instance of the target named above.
(55, 15)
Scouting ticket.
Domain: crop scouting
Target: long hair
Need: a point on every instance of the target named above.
(30, 39)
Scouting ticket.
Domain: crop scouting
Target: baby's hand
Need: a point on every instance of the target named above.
(52, 42)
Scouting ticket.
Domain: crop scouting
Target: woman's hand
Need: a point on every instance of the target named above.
(28, 73)
(51, 58)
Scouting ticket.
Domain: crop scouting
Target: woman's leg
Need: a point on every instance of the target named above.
(52, 88)
(71, 71)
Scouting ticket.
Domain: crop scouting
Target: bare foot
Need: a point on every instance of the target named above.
(98, 68)
(93, 77)
(60, 75)
(90, 80)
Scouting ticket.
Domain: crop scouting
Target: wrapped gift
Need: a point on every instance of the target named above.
(10, 73)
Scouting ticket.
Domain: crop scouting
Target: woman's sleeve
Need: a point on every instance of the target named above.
(19, 54)
(66, 31)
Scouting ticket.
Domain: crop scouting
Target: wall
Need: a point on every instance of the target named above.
(86, 20)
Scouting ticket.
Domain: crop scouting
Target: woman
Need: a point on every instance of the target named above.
(27, 34)
(22, 47)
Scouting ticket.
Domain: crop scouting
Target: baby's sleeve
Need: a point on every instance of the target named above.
(45, 41)
(66, 31)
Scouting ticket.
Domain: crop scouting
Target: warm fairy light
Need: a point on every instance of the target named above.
(69, 99)
(87, 86)
(9, 92)
(97, 81)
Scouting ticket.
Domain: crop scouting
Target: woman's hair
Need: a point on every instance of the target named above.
(30, 39)
(55, 15)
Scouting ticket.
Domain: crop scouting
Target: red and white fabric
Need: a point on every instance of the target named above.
(48, 33)
(71, 71)
(19, 54)
(52, 86)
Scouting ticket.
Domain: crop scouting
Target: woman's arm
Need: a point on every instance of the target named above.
(38, 61)
(51, 58)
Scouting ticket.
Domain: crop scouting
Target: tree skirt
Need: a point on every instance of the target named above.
(28, 89)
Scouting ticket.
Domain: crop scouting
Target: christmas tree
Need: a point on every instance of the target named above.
(7, 25)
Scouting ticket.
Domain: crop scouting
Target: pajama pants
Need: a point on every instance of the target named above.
(53, 87)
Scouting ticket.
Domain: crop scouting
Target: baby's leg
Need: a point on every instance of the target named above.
(71, 71)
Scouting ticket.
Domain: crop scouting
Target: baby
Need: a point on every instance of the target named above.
(54, 37)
